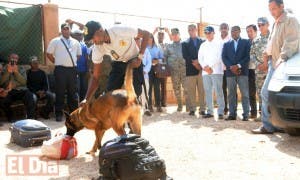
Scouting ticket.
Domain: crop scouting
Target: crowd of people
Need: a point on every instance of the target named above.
(200, 68)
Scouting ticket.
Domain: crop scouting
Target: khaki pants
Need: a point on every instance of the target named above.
(193, 84)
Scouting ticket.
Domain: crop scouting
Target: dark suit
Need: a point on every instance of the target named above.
(232, 57)
(193, 75)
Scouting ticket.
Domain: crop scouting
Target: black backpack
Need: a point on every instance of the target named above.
(130, 157)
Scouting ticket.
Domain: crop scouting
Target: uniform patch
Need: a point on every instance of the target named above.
(123, 43)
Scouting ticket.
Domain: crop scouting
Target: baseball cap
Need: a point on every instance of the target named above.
(209, 29)
(262, 20)
(64, 25)
(90, 28)
(175, 31)
(77, 31)
(33, 59)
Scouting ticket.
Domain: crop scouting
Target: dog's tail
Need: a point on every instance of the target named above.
(128, 83)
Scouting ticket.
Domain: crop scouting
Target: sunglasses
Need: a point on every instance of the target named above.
(260, 25)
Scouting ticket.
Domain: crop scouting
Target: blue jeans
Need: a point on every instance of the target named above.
(242, 82)
(214, 82)
(265, 101)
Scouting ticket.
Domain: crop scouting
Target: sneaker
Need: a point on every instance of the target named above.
(220, 116)
(192, 113)
(179, 108)
(147, 113)
(202, 113)
(225, 111)
(151, 109)
(159, 109)
(207, 116)
(230, 118)
(253, 116)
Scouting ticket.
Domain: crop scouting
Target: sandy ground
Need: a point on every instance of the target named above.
(193, 148)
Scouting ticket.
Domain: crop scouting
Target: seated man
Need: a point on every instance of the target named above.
(12, 83)
(37, 84)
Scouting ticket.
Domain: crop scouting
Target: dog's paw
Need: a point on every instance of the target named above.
(92, 153)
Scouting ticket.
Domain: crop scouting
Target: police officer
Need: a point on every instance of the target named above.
(119, 43)
(173, 55)
(256, 52)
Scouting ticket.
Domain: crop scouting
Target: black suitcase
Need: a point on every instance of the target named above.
(29, 132)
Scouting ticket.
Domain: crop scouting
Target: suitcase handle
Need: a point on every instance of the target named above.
(40, 138)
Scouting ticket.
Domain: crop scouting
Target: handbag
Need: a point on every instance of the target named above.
(162, 70)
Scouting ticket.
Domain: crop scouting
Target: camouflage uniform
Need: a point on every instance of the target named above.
(256, 51)
(173, 55)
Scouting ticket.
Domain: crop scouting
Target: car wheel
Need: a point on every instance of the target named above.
(293, 131)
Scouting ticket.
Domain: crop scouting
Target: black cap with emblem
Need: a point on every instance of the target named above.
(90, 28)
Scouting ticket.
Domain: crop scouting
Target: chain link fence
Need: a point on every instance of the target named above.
(21, 32)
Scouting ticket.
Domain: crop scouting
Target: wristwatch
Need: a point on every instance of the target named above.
(141, 56)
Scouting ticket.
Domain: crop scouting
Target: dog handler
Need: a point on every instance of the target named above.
(119, 43)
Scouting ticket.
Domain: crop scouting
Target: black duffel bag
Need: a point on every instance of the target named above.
(130, 157)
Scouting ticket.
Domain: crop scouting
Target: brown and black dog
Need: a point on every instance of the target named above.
(112, 109)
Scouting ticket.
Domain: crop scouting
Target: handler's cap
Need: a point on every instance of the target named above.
(175, 31)
(90, 28)
(209, 29)
(262, 20)
(65, 25)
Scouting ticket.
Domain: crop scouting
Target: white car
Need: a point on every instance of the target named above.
(284, 96)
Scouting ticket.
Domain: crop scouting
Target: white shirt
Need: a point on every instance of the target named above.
(121, 41)
(147, 63)
(60, 53)
(210, 54)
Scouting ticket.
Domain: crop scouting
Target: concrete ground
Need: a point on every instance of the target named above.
(193, 148)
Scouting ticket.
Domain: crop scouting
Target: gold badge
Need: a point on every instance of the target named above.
(85, 30)
(123, 43)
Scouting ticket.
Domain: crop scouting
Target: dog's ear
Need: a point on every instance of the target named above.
(66, 114)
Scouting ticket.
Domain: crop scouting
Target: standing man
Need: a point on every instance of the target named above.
(64, 51)
(283, 44)
(173, 55)
(210, 59)
(162, 45)
(225, 37)
(256, 51)
(252, 34)
(82, 65)
(119, 43)
(194, 79)
(235, 56)
(13, 88)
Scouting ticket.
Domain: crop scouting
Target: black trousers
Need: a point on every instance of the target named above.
(252, 92)
(163, 91)
(225, 92)
(50, 98)
(82, 84)
(154, 82)
(26, 96)
(117, 75)
(65, 82)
